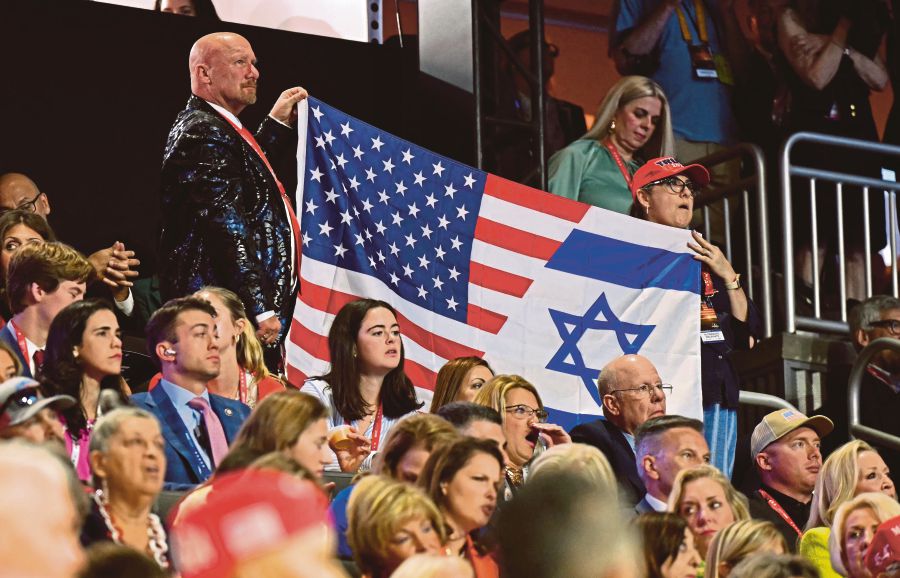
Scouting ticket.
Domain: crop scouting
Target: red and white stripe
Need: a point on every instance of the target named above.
(518, 230)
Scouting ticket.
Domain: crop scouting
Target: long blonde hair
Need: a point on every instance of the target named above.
(248, 348)
(836, 483)
(628, 89)
(739, 539)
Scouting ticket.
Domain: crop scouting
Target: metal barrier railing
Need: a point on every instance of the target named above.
(763, 400)
(740, 191)
(793, 321)
(858, 429)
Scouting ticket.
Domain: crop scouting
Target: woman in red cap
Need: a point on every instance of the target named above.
(663, 191)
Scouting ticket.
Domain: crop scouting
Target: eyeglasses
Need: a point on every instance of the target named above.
(892, 325)
(26, 397)
(30, 206)
(522, 411)
(647, 389)
(676, 186)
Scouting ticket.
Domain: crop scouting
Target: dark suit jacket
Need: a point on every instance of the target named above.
(182, 469)
(610, 440)
(224, 220)
(643, 507)
(7, 337)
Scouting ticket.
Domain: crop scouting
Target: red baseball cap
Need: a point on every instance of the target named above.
(665, 167)
(247, 513)
(883, 554)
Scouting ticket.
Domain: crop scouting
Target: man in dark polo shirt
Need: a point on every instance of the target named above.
(785, 448)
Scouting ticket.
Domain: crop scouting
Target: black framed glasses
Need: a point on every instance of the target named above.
(522, 411)
(677, 186)
(24, 398)
(892, 325)
(646, 389)
(30, 206)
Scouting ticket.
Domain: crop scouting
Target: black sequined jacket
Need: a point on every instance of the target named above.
(224, 220)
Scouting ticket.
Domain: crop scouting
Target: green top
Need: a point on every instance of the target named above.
(814, 547)
(585, 171)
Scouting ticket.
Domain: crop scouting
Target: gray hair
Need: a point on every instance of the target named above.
(862, 316)
(108, 425)
(651, 430)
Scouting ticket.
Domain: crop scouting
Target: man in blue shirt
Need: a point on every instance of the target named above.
(681, 44)
(197, 425)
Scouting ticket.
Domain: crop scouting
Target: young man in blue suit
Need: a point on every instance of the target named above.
(197, 425)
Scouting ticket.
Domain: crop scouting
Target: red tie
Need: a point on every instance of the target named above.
(38, 358)
(292, 216)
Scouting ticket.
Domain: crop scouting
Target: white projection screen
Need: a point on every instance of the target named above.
(347, 19)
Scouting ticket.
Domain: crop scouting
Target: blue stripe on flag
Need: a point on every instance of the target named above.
(626, 264)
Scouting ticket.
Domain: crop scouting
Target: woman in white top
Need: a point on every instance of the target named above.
(366, 388)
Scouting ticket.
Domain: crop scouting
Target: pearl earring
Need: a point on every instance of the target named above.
(612, 126)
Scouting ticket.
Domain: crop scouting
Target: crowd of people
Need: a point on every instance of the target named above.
(218, 466)
(185, 478)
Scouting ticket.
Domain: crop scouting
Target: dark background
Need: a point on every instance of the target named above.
(90, 90)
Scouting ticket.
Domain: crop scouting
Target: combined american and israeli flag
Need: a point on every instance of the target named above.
(537, 284)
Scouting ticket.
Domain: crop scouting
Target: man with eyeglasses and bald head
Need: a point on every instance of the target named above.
(631, 392)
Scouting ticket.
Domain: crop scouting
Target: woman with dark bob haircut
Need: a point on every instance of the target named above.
(463, 479)
(669, 550)
(82, 358)
(365, 390)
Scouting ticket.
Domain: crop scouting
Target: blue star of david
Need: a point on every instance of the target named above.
(568, 359)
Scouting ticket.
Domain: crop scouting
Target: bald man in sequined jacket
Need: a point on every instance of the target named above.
(225, 221)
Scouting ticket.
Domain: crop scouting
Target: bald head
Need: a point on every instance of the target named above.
(17, 189)
(38, 518)
(223, 70)
(623, 403)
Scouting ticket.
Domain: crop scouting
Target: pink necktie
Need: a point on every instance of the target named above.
(217, 441)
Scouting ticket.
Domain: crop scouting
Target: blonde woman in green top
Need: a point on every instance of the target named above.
(852, 469)
(632, 123)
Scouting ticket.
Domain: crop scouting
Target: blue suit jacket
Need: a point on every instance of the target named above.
(182, 469)
(7, 337)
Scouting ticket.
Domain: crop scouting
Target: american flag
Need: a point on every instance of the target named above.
(473, 263)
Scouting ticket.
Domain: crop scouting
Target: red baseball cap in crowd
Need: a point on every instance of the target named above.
(665, 167)
(246, 514)
(883, 554)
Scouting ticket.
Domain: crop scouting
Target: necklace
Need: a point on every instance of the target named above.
(515, 475)
(155, 532)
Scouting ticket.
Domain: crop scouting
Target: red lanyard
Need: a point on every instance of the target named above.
(292, 216)
(619, 162)
(23, 345)
(376, 429)
(779, 510)
(708, 289)
(242, 385)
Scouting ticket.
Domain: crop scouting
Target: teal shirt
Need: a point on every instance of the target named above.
(586, 172)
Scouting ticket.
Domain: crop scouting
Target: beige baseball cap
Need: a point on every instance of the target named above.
(781, 422)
